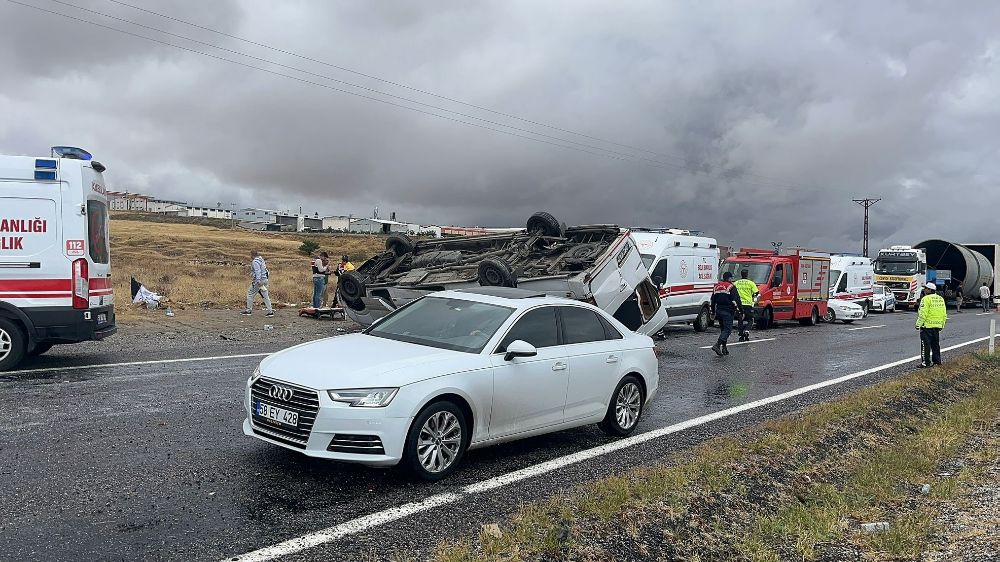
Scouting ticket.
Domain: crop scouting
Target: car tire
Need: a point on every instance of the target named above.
(13, 344)
(432, 435)
(625, 408)
(704, 320)
(39, 349)
(544, 224)
(351, 287)
(399, 244)
(495, 272)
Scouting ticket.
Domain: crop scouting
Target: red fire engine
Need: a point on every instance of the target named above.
(794, 284)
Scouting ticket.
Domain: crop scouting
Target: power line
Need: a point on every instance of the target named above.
(329, 87)
(682, 159)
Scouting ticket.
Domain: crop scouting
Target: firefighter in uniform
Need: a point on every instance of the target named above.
(931, 318)
(725, 306)
(748, 291)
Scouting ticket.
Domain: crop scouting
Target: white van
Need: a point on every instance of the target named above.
(852, 278)
(685, 268)
(55, 264)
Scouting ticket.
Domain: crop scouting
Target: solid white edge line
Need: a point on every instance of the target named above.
(741, 342)
(367, 522)
(131, 363)
(867, 327)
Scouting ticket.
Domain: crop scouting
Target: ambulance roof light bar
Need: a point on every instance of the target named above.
(71, 152)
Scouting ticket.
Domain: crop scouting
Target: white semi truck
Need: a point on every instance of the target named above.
(903, 269)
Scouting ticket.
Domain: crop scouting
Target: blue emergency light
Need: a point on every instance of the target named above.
(45, 170)
(71, 152)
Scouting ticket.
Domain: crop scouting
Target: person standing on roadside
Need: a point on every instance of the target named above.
(958, 299)
(931, 318)
(258, 284)
(320, 275)
(725, 306)
(984, 295)
(748, 291)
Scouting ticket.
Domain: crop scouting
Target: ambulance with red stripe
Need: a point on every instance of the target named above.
(684, 267)
(852, 278)
(55, 263)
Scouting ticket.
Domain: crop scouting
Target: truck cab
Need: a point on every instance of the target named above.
(903, 269)
(55, 263)
(793, 285)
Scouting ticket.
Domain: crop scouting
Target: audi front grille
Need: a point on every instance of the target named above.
(357, 444)
(303, 401)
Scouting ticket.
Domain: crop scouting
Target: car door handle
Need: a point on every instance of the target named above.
(612, 359)
(559, 367)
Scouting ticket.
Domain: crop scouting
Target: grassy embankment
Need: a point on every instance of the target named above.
(798, 488)
(196, 264)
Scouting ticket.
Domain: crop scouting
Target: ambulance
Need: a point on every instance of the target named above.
(684, 267)
(55, 263)
(852, 278)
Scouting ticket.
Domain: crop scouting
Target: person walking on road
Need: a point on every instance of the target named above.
(320, 275)
(958, 300)
(725, 306)
(984, 295)
(258, 284)
(931, 318)
(748, 291)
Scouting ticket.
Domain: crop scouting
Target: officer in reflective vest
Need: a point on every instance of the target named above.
(748, 292)
(931, 318)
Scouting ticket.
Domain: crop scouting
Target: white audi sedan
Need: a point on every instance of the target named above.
(452, 371)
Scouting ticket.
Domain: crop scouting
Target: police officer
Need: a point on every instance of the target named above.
(725, 306)
(747, 290)
(931, 318)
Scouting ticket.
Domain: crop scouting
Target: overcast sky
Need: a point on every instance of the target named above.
(757, 121)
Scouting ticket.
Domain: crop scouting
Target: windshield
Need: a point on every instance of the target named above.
(877, 289)
(647, 260)
(896, 267)
(759, 273)
(455, 324)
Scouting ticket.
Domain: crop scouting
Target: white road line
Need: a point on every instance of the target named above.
(376, 519)
(984, 313)
(133, 363)
(740, 343)
(866, 328)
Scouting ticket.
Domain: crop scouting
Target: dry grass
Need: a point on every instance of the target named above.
(197, 265)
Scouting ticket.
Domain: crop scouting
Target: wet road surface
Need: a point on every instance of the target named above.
(148, 461)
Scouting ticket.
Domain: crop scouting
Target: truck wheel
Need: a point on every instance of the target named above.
(701, 323)
(812, 320)
(496, 273)
(544, 224)
(351, 288)
(766, 319)
(399, 244)
(12, 344)
(39, 349)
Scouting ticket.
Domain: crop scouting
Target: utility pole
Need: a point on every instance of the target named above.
(866, 203)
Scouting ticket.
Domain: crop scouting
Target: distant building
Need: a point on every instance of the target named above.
(337, 223)
(378, 226)
(309, 224)
(178, 208)
(125, 201)
(208, 212)
(255, 215)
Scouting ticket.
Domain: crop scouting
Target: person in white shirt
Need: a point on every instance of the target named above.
(984, 295)
(320, 274)
(258, 284)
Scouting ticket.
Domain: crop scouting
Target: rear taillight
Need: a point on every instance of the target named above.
(81, 285)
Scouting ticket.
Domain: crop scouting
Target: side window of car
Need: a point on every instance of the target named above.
(842, 286)
(537, 327)
(778, 272)
(660, 271)
(788, 275)
(610, 332)
(581, 325)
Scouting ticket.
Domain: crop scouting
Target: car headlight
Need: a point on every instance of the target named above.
(364, 397)
(255, 375)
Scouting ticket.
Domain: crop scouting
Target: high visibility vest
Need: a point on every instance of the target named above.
(932, 312)
(747, 290)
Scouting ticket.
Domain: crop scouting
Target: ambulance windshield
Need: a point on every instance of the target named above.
(97, 231)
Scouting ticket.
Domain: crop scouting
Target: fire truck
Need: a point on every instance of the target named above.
(794, 284)
(55, 265)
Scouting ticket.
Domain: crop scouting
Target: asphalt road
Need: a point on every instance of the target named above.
(147, 461)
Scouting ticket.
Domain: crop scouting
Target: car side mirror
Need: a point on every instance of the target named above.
(658, 281)
(519, 348)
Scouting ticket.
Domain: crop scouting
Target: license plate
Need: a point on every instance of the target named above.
(102, 318)
(275, 414)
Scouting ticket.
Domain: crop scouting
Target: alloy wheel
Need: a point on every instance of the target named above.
(439, 442)
(627, 405)
(6, 345)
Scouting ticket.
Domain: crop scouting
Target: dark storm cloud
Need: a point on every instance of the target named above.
(765, 119)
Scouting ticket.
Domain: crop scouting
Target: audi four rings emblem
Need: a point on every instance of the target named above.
(280, 393)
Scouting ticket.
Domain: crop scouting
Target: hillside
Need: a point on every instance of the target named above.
(208, 266)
